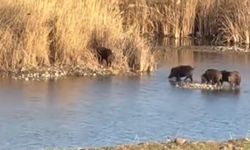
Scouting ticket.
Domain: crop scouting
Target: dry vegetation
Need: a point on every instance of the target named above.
(225, 21)
(230, 145)
(45, 33)
(218, 20)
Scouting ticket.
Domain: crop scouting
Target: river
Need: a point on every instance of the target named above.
(106, 111)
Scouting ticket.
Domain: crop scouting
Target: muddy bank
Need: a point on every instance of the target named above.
(183, 144)
(58, 72)
(55, 73)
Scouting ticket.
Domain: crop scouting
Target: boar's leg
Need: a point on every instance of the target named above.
(189, 77)
(232, 85)
(219, 83)
(178, 79)
(107, 62)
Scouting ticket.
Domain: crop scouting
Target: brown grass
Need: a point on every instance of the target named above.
(224, 21)
(45, 33)
(230, 145)
(221, 21)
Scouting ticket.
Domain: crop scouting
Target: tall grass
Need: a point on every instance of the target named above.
(221, 21)
(160, 18)
(224, 21)
(46, 33)
(234, 21)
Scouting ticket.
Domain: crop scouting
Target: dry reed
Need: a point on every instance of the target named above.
(221, 21)
(45, 33)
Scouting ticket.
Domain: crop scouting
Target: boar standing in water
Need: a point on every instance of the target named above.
(182, 71)
(212, 76)
(105, 54)
(232, 77)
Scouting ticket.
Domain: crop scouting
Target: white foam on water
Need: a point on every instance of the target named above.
(196, 85)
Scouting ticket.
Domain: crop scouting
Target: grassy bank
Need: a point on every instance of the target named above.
(230, 145)
(37, 34)
(221, 21)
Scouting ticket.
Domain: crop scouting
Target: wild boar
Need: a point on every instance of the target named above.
(212, 76)
(232, 77)
(105, 54)
(182, 71)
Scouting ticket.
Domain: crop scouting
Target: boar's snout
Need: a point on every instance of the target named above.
(171, 75)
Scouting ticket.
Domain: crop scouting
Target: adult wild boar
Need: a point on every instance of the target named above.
(232, 77)
(212, 76)
(182, 71)
(105, 54)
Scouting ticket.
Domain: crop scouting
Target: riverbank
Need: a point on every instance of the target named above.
(183, 144)
(48, 33)
(44, 34)
(54, 73)
(161, 53)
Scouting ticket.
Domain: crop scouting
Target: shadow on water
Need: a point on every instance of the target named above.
(187, 42)
(172, 82)
(222, 93)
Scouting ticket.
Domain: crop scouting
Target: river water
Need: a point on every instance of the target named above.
(90, 112)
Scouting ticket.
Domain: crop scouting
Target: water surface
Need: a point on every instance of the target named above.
(90, 112)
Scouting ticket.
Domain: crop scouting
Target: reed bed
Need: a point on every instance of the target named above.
(220, 21)
(224, 21)
(43, 33)
(63, 33)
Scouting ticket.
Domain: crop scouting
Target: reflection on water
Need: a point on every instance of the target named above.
(173, 42)
(104, 111)
(187, 42)
(225, 92)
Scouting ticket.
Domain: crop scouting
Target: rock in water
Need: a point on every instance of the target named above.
(201, 86)
(180, 141)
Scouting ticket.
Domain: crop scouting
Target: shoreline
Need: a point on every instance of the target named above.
(54, 73)
(182, 144)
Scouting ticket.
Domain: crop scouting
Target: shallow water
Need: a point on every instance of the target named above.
(89, 112)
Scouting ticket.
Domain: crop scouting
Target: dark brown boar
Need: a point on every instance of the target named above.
(182, 71)
(232, 77)
(212, 76)
(105, 54)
